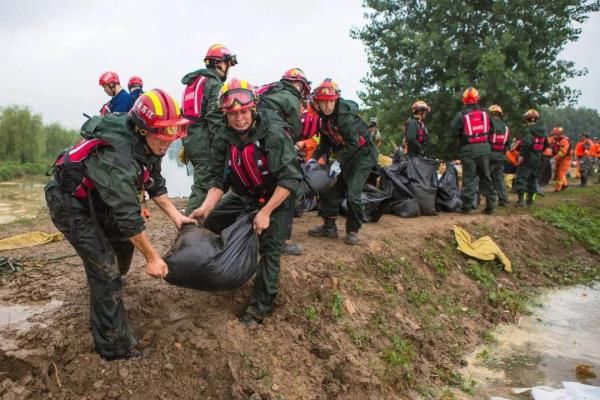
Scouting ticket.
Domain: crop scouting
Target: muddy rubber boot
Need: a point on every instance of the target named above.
(530, 198)
(291, 249)
(351, 238)
(328, 229)
(521, 201)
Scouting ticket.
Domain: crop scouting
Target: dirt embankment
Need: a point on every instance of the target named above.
(388, 320)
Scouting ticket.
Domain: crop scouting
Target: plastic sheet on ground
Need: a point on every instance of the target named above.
(28, 240)
(483, 248)
(201, 259)
(570, 391)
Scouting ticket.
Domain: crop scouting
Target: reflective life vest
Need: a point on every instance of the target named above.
(334, 135)
(70, 171)
(105, 109)
(498, 140)
(251, 173)
(265, 88)
(421, 131)
(476, 126)
(192, 98)
(557, 144)
(538, 144)
(310, 124)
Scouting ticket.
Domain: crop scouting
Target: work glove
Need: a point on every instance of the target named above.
(182, 156)
(335, 169)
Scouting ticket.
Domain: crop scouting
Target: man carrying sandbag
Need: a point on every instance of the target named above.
(253, 156)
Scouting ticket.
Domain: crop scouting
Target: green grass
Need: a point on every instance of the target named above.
(310, 313)
(578, 222)
(400, 353)
(10, 171)
(337, 307)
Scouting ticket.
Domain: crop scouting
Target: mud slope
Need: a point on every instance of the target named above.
(388, 320)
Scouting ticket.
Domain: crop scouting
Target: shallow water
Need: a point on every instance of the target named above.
(545, 348)
(17, 316)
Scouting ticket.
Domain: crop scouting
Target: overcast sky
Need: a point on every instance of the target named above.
(53, 52)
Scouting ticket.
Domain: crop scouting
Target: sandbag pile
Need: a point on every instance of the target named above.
(203, 260)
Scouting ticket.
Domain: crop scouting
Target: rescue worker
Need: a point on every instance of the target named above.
(120, 101)
(95, 201)
(343, 132)
(200, 107)
(533, 144)
(136, 87)
(471, 127)
(584, 162)
(285, 97)
(309, 137)
(261, 169)
(374, 132)
(499, 140)
(560, 151)
(415, 131)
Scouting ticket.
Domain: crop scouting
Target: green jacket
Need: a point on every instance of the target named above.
(211, 118)
(117, 171)
(457, 130)
(269, 131)
(497, 125)
(412, 127)
(286, 100)
(531, 157)
(340, 134)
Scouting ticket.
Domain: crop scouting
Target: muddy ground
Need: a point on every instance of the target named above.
(391, 319)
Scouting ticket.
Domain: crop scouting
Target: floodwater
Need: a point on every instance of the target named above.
(24, 198)
(559, 342)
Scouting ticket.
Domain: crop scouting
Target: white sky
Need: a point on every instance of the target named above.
(53, 52)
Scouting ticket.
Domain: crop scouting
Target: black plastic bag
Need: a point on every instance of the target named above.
(200, 259)
(317, 179)
(423, 182)
(448, 195)
(374, 201)
(408, 208)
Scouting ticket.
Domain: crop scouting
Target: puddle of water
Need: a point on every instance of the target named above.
(22, 198)
(17, 316)
(545, 348)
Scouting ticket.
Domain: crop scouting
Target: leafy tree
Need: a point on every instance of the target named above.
(573, 120)
(433, 50)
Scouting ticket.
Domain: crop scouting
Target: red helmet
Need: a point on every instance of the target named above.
(531, 115)
(558, 130)
(420, 105)
(236, 95)
(297, 75)
(108, 77)
(327, 90)
(157, 113)
(470, 96)
(135, 80)
(495, 108)
(218, 52)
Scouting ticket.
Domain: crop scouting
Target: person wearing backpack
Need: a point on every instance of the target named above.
(415, 131)
(471, 127)
(120, 100)
(254, 157)
(532, 146)
(344, 133)
(285, 98)
(560, 151)
(136, 87)
(200, 107)
(96, 201)
(499, 143)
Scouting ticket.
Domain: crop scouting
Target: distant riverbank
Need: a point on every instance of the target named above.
(10, 171)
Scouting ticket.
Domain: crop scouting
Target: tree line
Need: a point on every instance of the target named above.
(434, 50)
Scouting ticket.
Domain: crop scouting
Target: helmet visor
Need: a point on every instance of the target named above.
(237, 97)
(170, 130)
(231, 59)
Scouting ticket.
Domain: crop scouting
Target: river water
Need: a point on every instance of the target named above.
(24, 198)
(544, 348)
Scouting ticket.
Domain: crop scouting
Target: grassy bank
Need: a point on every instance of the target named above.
(10, 171)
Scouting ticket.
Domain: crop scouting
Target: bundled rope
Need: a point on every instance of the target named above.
(10, 265)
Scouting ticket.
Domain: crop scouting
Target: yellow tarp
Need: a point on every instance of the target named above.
(482, 249)
(28, 240)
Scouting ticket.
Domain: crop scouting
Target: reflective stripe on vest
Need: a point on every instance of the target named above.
(310, 125)
(251, 168)
(192, 98)
(538, 144)
(265, 88)
(498, 140)
(476, 126)
(421, 133)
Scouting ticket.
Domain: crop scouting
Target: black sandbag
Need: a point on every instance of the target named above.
(395, 182)
(374, 201)
(448, 195)
(545, 171)
(423, 182)
(316, 177)
(408, 208)
(200, 259)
